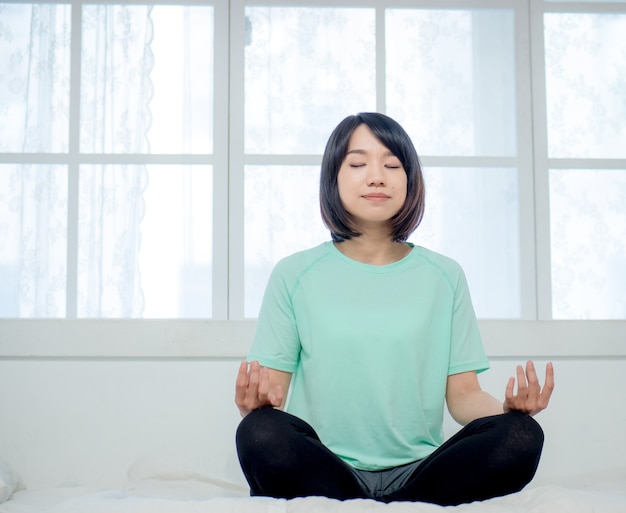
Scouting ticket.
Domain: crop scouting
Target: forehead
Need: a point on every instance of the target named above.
(363, 140)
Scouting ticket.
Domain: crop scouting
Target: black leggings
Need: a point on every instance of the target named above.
(282, 456)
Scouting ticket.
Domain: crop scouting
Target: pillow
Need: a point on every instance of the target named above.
(9, 481)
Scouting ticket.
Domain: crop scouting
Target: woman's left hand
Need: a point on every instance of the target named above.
(530, 397)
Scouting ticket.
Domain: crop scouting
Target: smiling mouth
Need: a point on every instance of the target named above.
(376, 197)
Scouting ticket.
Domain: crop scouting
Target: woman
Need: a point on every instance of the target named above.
(378, 334)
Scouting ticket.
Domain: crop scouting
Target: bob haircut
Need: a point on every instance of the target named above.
(389, 132)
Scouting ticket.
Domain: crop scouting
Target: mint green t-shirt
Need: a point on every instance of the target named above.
(370, 348)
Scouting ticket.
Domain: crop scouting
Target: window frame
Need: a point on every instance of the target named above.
(542, 162)
(522, 161)
(228, 333)
(74, 158)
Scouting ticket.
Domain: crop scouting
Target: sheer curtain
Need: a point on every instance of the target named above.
(34, 89)
(449, 79)
(115, 118)
(34, 115)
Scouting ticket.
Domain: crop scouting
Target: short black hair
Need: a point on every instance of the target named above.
(391, 134)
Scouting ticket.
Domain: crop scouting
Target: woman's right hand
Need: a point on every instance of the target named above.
(253, 389)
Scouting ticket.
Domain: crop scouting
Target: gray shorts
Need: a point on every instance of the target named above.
(379, 483)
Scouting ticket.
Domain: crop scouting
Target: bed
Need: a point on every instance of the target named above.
(169, 485)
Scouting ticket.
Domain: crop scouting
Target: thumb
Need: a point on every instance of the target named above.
(276, 396)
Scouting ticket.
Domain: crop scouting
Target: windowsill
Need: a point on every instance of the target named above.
(181, 339)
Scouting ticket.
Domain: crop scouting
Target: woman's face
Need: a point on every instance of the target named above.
(372, 182)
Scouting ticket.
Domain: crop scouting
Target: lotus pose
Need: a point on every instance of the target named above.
(371, 337)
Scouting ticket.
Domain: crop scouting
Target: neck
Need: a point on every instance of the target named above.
(369, 249)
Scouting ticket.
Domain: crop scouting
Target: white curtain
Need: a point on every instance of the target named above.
(115, 117)
(34, 100)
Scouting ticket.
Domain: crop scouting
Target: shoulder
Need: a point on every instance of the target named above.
(296, 262)
(292, 268)
(448, 268)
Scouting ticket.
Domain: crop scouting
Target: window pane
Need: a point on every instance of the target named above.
(282, 216)
(451, 79)
(34, 77)
(33, 240)
(588, 235)
(586, 84)
(176, 255)
(147, 79)
(182, 78)
(472, 215)
(145, 241)
(305, 70)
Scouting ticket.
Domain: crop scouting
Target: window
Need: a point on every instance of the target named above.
(157, 160)
(110, 149)
(451, 79)
(586, 108)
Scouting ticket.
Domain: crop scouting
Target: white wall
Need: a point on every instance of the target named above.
(86, 422)
(86, 419)
(584, 425)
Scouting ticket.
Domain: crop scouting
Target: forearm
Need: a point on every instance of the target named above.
(473, 405)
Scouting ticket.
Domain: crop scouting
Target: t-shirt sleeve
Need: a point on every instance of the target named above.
(466, 351)
(276, 343)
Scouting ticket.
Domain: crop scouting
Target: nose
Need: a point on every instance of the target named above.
(375, 176)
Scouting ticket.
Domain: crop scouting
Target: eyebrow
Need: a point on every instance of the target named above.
(388, 153)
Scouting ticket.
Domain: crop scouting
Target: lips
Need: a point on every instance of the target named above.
(376, 196)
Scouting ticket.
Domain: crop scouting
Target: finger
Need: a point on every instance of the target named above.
(549, 376)
(522, 387)
(508, 392)
(509, 398)
(242, 382)
(242, 374)
(264, 384)
(548, 387)
(533, 381)
(276, 396)
(253, 380)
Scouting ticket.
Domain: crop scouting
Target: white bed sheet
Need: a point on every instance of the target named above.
(600, 493)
